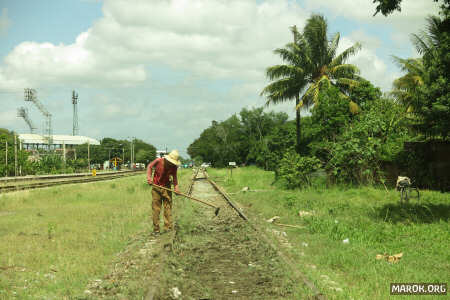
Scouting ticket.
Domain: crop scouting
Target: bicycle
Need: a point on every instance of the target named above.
(407, 191)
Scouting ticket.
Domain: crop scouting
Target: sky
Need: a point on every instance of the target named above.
(163, 70)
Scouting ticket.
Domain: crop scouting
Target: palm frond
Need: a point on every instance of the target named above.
(341, 58)
(287, 55)
(346, 70)
(280, 71)
(315, 32)
(282, 90)
(333, 45)
(419, 43)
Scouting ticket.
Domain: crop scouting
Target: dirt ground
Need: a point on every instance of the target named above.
(206, 257)
(220, 257)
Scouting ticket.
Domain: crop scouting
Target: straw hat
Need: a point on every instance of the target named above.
(173, 157)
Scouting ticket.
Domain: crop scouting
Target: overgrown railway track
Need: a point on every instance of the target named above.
(35, 182)
(227, 257)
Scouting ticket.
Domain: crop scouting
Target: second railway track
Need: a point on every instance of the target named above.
(19, 184)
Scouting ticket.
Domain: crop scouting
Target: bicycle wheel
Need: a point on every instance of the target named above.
(414, 193)
(404, 195)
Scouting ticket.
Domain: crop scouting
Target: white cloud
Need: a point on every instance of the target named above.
(4, 22)
(217, 39)
(411, 19)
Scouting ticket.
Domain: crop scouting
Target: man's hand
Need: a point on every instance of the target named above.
(176, 189)
(150, 181)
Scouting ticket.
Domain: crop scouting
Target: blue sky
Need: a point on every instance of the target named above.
(163, 70)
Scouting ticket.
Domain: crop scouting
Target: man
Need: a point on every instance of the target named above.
(164, 168)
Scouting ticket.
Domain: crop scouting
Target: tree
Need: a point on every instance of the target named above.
(256, 126)
(426, 87)
(312, 63)
(324, 68)
(386, 7)
(290, 79)
(406, 88)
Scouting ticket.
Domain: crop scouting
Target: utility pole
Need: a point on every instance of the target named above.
(20, 148)
(132, 153)
(6, 161)
(64, 152)
(89, 157)
(123, 155)
(15, 154)
(75, 113)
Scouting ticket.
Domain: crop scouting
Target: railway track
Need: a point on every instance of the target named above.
(226, 257)
(35, 182)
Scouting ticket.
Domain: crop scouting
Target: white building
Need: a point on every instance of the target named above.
(36, 141)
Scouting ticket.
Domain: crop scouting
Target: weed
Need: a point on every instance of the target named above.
(51, 228)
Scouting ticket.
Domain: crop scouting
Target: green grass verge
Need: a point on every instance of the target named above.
(370, 218)
(54, 240)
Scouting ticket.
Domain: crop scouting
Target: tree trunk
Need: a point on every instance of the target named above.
(297, 123)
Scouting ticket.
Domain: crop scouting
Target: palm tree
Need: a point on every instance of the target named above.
(311, 64)
(291, 79)
(325, 68)
(406, 87)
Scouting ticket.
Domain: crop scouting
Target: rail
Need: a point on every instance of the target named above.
(283, 256)
(48, 181)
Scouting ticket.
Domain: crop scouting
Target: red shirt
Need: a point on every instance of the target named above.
(161, 177)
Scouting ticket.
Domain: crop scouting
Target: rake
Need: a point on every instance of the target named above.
(216, 212)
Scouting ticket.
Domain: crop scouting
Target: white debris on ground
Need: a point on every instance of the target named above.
(273, 219)
(304, 244)
(234, 291)
(282, 238)
(346, 241)
(175, 292)
(304, 213)
(332, 285)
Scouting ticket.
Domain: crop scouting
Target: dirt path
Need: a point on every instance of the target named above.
(220, 257)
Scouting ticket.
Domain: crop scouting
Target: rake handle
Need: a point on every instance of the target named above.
(184, 195)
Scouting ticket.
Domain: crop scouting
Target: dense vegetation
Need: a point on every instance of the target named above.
(353, 130)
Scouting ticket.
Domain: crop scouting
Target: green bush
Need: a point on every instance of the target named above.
(296, 170)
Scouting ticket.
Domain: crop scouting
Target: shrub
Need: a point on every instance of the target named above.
(296, 170)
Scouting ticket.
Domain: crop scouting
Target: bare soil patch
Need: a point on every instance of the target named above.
(221, 257)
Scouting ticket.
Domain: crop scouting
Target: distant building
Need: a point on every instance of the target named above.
(36, 141)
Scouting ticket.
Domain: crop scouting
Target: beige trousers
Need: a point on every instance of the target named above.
(160, 197)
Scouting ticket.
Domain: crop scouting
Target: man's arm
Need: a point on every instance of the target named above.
(175, 180)
(149, 171)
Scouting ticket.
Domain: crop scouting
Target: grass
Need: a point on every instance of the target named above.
(54, 240)
(370, 218)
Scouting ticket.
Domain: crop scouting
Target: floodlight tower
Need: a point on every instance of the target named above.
(30, 95)
(75, 113)
(22, 112)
